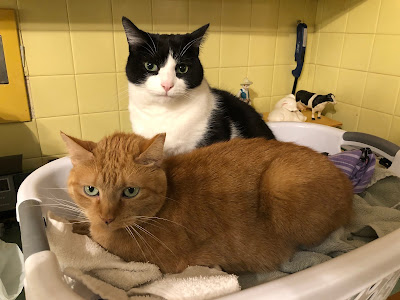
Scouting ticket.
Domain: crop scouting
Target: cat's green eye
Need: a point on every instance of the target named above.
(182, 68)
(130, 192)
(91, 190)
(150, 66)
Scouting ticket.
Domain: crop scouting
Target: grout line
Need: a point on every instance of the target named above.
(275, 50)
(233, 31)
(341, 51)
(151, 14)
(25, 68)
(21, 40)
(78, 74)
(81, 114)
(369, 65)
(397, 102)
(188, 16)
(230, 67)
(377, 19)
(220, 45)
(316, 38)
(389, 128)
(248, 40)
(115, 61)
(73, 65)
(27, 78)
(308, 39)
(382, 113)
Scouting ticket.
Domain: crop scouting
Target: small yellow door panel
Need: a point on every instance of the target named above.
(14, 105)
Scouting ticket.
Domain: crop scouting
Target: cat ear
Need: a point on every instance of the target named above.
(78, 150)
(134, 35)
(152, 151)
(198, 35)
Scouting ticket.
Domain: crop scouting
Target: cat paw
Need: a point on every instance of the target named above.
(217, 267)
(80, 228)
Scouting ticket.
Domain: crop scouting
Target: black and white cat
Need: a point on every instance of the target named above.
(168, 93)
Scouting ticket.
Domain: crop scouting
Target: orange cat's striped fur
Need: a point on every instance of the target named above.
(245, 205)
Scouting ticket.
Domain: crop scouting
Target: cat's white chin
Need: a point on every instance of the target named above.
(163, 99)
(167, 96)
(143, 95)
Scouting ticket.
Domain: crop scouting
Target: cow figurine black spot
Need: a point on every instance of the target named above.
(314, 101)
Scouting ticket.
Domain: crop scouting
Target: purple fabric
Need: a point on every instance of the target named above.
(358, 165)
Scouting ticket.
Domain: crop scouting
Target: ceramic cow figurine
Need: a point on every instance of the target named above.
(314, 101)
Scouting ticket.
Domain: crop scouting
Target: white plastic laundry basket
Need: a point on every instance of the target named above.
(369, 272)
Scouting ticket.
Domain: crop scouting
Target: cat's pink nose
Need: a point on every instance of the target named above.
(167, 86)
(107, 220)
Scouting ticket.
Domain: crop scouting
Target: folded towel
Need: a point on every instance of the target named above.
(91, 269)
(186, 285)
(376, 213)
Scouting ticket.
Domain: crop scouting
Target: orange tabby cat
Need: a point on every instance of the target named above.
(245, 205)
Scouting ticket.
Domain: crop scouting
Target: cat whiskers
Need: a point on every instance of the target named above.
(162, 219)
(61, 203)
(171, 199)
(154, 237)
(155, 49)
(76, 222)
(65, 205)
(188, 45)
(148, 48)
(129, 230)
(68, 212)
(146, 244)
(151, 223)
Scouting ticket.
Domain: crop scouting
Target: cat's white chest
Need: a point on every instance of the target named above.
(184, 120)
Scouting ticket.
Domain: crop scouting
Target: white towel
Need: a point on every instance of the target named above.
(87, 263)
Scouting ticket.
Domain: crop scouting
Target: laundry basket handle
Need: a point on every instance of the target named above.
(371, 140)
(32, 226)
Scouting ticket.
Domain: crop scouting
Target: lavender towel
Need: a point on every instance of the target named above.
(358, 165)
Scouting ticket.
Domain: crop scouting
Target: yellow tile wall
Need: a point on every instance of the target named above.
(356, 47)
(76, 53)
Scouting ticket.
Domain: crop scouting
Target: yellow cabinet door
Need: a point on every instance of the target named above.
(14, 105)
